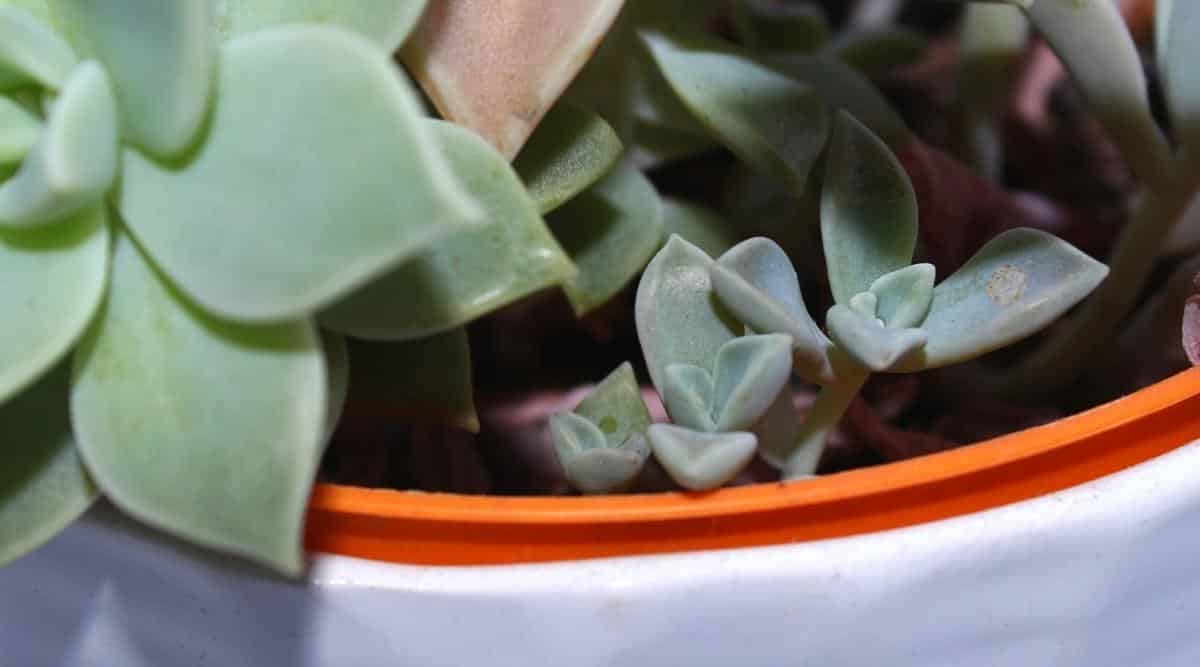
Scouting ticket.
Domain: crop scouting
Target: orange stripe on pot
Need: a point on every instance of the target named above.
(448, 529)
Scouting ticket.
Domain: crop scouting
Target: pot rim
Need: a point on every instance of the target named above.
(442, 528)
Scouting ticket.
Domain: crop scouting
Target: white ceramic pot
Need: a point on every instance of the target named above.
(1103, 574)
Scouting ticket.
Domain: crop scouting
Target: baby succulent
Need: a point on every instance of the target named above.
(888, 314)
(601, 445)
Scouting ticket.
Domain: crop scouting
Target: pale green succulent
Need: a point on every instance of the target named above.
(190, 188)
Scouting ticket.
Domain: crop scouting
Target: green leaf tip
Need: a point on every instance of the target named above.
(74, 161)
(770, 121)
(700, 461)
(206, 429)
(318, 173)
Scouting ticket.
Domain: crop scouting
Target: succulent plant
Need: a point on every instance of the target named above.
(204, 223)
(184, 204)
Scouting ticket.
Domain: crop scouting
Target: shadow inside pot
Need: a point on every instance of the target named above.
(109, 591)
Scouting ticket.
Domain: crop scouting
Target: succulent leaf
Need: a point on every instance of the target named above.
(1016, 284)
(610, 231)
(385, 22)
(317, 174)
(570, 150)
(904, 295)
(589, 462)
(162, 71)
(54, 279)
(700, 461)
(74, 161)
(678, 318)
(574, 433)
(688, 396)
(874, 51)
(31, 52)
(868, 210)
(469, 274)
(749, 373)
(776, 26)
(207, 429)
(768, 120)
(497, 67)
(1093, 42)
(425, 380)
(43, 483)
(868, 341)
(616, 407)
(19, 131)
(1182, 76)
(756, 281)
(607, 469)
(843, 88)
(337, 374)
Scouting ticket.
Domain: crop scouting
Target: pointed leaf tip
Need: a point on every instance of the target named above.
(207, 429)
(701, 461)
(749, 373)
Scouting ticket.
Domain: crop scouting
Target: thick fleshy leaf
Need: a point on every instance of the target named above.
(778, 430)
(610, 232)
(497, 67)
(749, 373)
(777, 26)
(589, 462)
(867, 341)
(30, 52)
(162, 74)
(385, 22)
(1182, 74)
(426, 380)
(316, 175)
(868, 210)
(470, 274)
(1093, 42)
(616, 407)
(678, 319)
(904, 295)
(43, 483)
(702, 227)
(842, 87)
(756, 281)
(19, 131)
(54, 279)
(74, 161)
(571, 149)
(574, 433)
(865, 304)
(37, 8)
(1162, 32)
(993, 38)
(337, 373)
(687, 395)
(700, 461)
(209, 430)
(607, 469)
(768, 120)
(875, 51)
(1016, 284)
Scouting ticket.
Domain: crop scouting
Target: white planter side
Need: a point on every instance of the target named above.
(1103, 574)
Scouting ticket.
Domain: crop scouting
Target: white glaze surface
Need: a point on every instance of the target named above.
(1104, 574)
